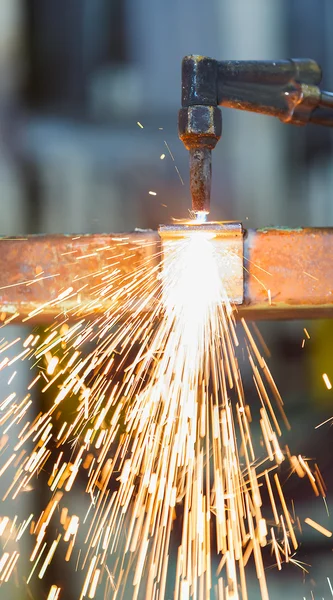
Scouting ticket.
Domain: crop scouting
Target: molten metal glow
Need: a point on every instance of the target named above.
(201, 217)
(154, 420)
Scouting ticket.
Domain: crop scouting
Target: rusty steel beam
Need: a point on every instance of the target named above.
(288, 273)
(36, 270)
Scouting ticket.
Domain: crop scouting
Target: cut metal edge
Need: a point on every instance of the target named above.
(217, 228)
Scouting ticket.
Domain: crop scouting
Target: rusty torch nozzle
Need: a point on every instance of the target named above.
(200, 129)
(200, 179)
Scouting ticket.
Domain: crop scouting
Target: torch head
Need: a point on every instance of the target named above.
(199, 125)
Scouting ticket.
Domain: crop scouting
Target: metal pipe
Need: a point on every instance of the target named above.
(288, 273)
(269, 72)
(274, 88)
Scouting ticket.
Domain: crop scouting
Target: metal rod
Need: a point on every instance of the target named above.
(288, 273)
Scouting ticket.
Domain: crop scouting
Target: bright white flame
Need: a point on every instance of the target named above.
(201, 217)
(192, 283)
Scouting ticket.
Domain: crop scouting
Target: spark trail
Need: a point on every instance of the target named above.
(153, 417)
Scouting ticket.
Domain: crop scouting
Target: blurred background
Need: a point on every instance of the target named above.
(76, 76)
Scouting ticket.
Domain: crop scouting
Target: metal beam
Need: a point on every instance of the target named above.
(288, 273)
(36, 271)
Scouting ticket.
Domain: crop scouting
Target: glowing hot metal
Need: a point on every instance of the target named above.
(226, 241)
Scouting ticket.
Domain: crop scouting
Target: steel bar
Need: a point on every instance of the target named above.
(36, 270)
(288, 273)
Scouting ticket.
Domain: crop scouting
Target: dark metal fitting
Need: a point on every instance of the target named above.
(199, 81)
(306, 70)
(200, 126)
(301, 102)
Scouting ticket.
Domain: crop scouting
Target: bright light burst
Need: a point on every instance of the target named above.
(153, 419)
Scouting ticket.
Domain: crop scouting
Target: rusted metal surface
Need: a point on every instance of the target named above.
(200, 179)
(36, 270)
(288, 274)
